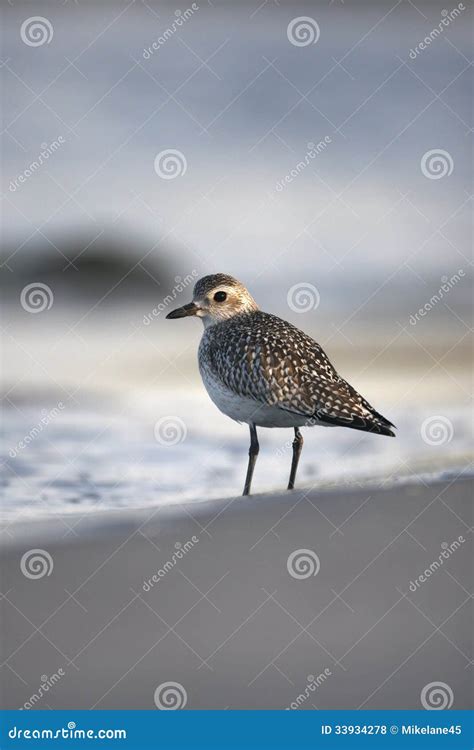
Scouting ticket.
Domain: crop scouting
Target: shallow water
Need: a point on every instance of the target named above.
(179, 448)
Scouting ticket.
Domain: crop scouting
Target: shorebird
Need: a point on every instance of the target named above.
(263, 371)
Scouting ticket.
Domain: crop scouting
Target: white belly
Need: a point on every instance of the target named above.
(244, 409)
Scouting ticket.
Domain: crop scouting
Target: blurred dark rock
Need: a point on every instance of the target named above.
(82, 269)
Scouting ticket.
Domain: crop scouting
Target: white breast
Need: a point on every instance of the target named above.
(244, 409)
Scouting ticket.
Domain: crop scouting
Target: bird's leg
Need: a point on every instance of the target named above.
(253, 453)
(297, 448)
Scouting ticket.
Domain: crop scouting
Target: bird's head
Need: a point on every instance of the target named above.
(217, 298)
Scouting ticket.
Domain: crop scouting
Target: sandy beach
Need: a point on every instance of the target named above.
(344, 598)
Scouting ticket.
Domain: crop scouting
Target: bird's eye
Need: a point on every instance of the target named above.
(220, 296)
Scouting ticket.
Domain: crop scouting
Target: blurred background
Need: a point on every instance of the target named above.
(314, 150)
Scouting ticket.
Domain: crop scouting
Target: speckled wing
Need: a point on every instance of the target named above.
(267, 359)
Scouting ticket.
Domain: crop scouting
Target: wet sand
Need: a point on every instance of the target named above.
(305, 599)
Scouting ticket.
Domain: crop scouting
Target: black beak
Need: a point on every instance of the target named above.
(183, 312)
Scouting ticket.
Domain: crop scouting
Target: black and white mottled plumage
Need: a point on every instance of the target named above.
(259, 369)
(261, 357)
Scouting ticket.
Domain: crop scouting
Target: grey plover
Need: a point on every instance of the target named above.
(263, 371)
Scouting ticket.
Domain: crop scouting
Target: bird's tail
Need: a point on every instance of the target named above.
(371, 423)
(382, 426)
(356, 413)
